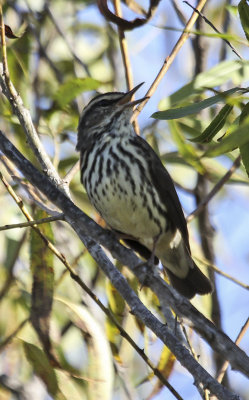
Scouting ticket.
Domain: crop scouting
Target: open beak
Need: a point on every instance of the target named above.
(127, 97)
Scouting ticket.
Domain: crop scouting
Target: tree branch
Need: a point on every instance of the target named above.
(90, 233)
(204, 201)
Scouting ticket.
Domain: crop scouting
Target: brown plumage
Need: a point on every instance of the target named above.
(133, 192)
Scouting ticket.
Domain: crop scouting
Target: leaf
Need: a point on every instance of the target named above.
(187, 150)
(215, 171)
(68, 387)
(100, 356)
(9, 33)
(117, 305)
(244, 150)
(165, 366)
(237, 138)
(194, 108)
(12, 248)
(236, 71)
(166, 362)
(42, 367)
(73, 87)
(243, 9)
(215, 126)
(58, 383)
(41, 264)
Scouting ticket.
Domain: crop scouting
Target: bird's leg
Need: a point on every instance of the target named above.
(150, 262)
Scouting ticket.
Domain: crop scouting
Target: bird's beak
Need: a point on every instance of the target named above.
(125, 100)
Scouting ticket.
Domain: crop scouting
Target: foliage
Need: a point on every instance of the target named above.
(58, 56)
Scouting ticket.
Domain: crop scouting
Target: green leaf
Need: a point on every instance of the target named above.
(215, 171)
(68, 387)
(58, 383)
(73, 87)
(187, 150)
(116, 304)
(42, 367)
(244, 150)
(215, 126)
(41, 264)
(237, 138)
(236, 71)
(12, 248)
(243, 8)
(194, 108)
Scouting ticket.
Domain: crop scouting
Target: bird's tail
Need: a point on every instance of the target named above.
(194, 283)
(187, 278)
(182, 271)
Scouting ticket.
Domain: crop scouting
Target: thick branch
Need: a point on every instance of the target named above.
(90, 233)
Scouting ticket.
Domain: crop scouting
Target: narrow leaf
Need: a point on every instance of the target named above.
(237, 71)
(41, 264)
(243, 8)
(215, 126)
(42, 367)
(9, 33)
(73, 87)
(244, 150)
(117, 305)
(236, 139)
(187, 150)
(175, 113)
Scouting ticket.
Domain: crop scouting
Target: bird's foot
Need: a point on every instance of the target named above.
(144, 270)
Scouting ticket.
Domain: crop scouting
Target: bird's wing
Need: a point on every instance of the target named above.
(166, 189)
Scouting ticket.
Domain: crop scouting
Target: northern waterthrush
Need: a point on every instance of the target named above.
(130, 188)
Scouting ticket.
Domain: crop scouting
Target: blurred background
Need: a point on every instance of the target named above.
(64, 52)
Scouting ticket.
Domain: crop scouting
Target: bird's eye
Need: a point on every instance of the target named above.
(104, 103)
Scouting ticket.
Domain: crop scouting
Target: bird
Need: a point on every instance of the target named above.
(133, 192)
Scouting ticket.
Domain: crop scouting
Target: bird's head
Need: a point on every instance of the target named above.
(104, 113)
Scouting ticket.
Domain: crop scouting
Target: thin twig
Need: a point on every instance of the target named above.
(226, 18)
(135, 7)
(70, 174)
(224, 367)
(3, 42)
(213, 27)
(215, 190)
(169, 60)
(10, 278)
(36, 196)
(59, 217)
(219, 271)
(179, 12)
(26, 213)
(125, 57)
(124, 48)
(125, 335)
(8, 339)
(76, 278)
(204, 226)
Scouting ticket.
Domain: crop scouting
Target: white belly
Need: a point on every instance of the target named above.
(125, 198)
